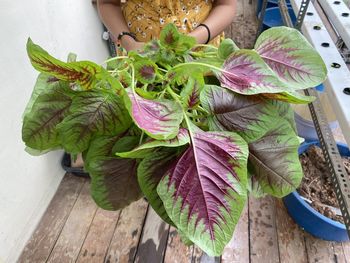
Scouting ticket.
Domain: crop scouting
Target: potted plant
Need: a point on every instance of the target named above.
(314, 206)
(181, 124)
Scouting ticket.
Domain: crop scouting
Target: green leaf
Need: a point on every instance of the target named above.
(148, 147)
(169, 36)
(145, 71)
(124, 78)
(159, 119)
(227, 46)
(113, 180)
(93, 113)
(205, 190)
(249, 116)
(43, 82)
(185, 44)
(35, 152)
(191, 92)
(275, 160)
(87, 74)
(294, 97)
(291, 57)
(150, 172)
(146, 94)
(49, 109)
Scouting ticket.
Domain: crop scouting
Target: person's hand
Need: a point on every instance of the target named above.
(130, 44)
(135, 46)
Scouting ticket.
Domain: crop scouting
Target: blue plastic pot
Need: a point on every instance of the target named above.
(306, 128)
(273, 17)
(270, 3)
(308, 218)
(320, 88)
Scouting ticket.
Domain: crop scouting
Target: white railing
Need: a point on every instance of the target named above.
(338, 73)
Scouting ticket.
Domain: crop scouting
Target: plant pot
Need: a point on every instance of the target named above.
(307, 217)
(270, 3)
(306, 129)
(66, 164)
(273, 17)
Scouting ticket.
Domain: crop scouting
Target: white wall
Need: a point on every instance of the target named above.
(28, 183)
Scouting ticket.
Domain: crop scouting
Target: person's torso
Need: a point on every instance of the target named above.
(146, 18)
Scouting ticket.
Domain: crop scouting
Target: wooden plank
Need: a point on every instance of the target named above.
(237, 251)
(208, 259)
(99, 236)
(197, 254)
(154, 239)
(74, 231)
(176, 251)
(44, 238)
(346, 251)
(339, 256)
(263, 236)
(290, 237)
(318, 250)
(127, 234)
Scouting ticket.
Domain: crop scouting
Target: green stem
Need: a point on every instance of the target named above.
(114, 58)
(145, 87)
(197, 116)
(164, 70)
(141, 138)
(173, 94)
(198, 64)
(200, 108)
(132, 78)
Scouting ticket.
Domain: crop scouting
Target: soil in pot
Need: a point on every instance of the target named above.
(316, 186)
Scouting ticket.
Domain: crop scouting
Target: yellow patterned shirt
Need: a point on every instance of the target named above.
(146, 18)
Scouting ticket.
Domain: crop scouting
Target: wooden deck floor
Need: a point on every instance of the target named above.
(73, 229)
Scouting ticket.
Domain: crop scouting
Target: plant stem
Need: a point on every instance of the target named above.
(173, 94)
(164, 70)
(198, 64)
(114, 58)
(141, 138)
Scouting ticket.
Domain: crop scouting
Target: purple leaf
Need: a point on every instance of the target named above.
(246, 73)
(291, 57)
(160, 119)
(250, 116)
(205, 190)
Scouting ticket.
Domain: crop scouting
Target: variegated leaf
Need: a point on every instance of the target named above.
(291, 57)
(160, 119)
(205, 190)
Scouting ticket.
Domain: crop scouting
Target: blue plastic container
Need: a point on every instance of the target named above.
(273, 17)
(270, 3)
(308, 218)
(320, 88)
(306, 128)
